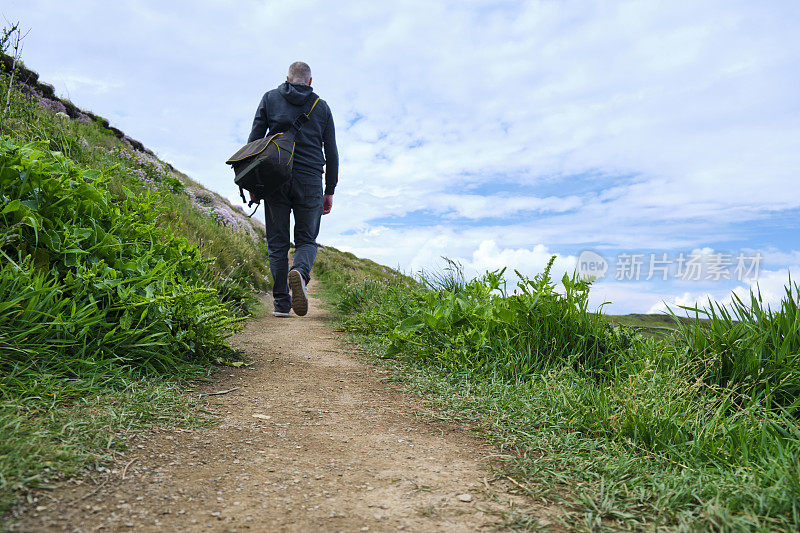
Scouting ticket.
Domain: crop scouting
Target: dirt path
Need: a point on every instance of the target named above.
(311, 440)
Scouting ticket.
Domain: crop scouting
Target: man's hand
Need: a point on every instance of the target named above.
(327, 203)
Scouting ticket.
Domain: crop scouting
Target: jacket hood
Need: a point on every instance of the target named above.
(295, 93)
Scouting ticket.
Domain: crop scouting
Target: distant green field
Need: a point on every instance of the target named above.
(643, 321)
(651, 325)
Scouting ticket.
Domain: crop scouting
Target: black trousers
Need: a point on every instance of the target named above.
(303, 197)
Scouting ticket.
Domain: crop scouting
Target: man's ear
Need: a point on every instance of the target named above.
(287, 79)
(310, 80)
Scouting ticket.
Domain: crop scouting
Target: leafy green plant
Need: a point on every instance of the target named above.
(135, 291)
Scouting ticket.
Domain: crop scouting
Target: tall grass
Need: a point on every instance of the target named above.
(750, 348)
(695, 431)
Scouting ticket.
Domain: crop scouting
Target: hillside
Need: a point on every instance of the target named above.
(37, 114)
(121, 278)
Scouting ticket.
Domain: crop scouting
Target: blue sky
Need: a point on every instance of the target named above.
(494, 133)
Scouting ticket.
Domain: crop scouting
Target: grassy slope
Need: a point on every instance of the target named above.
(52, 426)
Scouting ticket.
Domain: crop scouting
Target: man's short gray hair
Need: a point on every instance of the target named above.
(299, 72)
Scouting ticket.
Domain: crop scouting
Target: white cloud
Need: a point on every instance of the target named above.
(77, 82)
(687, 299)
(771, 285)
(528, 261)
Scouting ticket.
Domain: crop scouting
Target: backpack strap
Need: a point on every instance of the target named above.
(302, 118)
(250, 203)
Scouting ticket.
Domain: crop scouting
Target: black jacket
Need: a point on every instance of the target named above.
(278, 109)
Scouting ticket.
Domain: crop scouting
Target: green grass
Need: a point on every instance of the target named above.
(59, 429)
(693, 431)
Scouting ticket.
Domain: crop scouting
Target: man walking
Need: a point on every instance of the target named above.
(303, 196)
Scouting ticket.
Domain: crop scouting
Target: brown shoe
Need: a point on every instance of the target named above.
(299, 295)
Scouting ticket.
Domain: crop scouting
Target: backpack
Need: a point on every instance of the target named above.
(264, 166)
